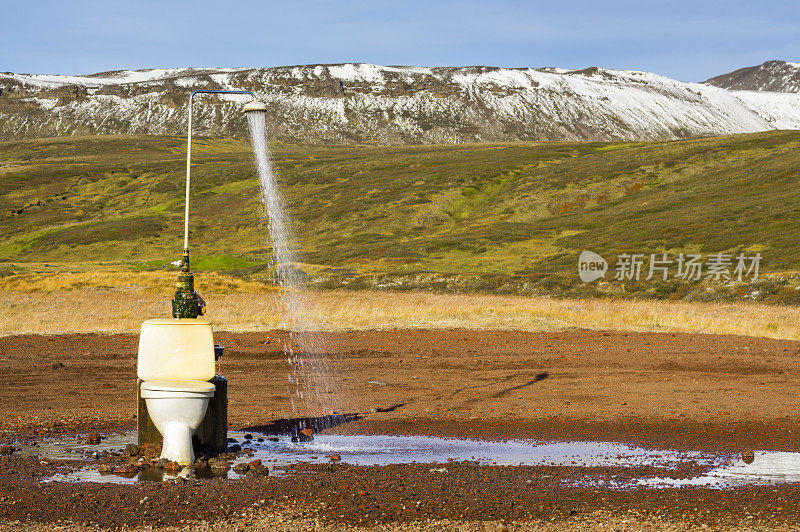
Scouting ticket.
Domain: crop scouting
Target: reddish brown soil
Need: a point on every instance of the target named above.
(690, 391)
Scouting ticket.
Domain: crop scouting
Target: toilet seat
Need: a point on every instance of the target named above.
(165, 389)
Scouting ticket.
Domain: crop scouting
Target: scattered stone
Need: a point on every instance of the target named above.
(220, 467)
(161, 463)
(132, 449)
(261, 439)
(129, 469)
(248, 436)
(379, 383)
(260, 469)
(235, 448)
(748, 456)
(93, 438)
(58, 365)
(241, 468)
(335, 458)
(231, 440)
(305, 435)
(254, 464)
(172, 466)
(105, 469)
(6, 449)
(274, 439)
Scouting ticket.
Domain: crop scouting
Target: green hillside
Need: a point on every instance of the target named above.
(498, 217)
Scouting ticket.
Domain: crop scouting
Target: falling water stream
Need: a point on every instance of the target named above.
(310, 384)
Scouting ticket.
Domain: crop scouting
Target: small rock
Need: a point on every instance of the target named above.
(58, 365)
(172, 466)
(274, 439)
(235, 448)
(748, 456)
(248, 436)
(132, 449)
(241, 468)
(260, 469)
(374, 410)
(220, 467)
(161, 463)
(126, 469)
(305, 435)
(335, 458)
(6, 449)
(105, 469)
(261, 439)
(93, 438)
(254, 464)
(379, 383)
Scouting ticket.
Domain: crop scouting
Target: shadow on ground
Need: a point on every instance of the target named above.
(293, 426)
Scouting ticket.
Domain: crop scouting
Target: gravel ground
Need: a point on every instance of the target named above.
(661, 390)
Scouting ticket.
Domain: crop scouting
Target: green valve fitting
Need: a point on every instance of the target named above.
(187, 303)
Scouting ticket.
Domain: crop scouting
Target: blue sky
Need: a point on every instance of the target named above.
(687, 40)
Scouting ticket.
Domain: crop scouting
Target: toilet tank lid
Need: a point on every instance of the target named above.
(177, 321)
(178, 386)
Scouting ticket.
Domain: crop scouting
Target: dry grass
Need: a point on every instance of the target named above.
(249, 309)
(149, 282)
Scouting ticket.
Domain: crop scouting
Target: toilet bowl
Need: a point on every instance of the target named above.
(176, 408)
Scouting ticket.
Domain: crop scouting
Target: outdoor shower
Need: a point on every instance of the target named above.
(188, 303)
(182, 403)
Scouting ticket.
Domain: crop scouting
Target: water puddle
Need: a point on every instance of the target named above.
(384, 450)
(768, 468)
(720, 470)
(74, 449)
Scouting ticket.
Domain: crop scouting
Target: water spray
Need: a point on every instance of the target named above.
(187, 303)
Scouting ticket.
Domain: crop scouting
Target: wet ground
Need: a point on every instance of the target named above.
(693, 402)
(658, 468)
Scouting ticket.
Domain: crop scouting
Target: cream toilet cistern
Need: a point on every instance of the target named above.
(176, 355)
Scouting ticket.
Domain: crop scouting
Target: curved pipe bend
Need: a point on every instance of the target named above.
(189, 155)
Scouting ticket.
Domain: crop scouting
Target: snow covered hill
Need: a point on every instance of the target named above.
(774, 76)
(392, 105)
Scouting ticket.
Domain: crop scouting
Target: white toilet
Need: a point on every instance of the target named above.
(176, 409)
(175, 363)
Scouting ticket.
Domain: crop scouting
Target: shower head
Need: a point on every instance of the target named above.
(255, 105)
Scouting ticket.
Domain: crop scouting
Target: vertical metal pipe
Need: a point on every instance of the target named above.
(189, 156)
(188, 179)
